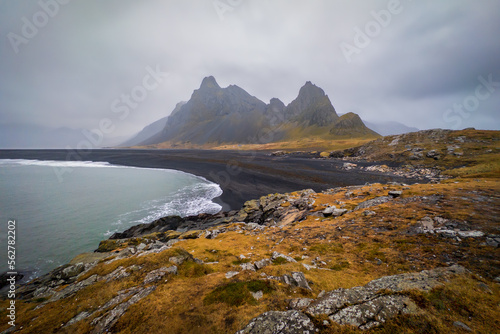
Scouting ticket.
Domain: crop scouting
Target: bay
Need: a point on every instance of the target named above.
(58, 217)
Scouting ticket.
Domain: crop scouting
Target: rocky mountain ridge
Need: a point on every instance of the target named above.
(216, 115)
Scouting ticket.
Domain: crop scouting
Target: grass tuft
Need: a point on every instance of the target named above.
(193, 269)
(238, 293)
(279, 260)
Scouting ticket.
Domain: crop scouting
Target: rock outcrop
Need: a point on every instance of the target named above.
(275, 322)
(379, 300)
(105, 322)
(363, 307)
(264, 211)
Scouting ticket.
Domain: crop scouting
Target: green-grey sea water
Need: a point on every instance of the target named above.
(58, 218)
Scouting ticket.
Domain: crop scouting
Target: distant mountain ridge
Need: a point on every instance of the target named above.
(215, 115)
(390, 128)
(152, 129)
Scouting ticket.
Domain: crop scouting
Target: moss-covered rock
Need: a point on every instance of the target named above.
(324, 154)
(251, 206)
(108, 246)
(195, 234)
(169, 235)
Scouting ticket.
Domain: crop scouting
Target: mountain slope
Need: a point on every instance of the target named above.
(351, 124)
(152, 129)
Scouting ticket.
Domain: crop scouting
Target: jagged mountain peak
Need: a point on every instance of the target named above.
(276, 104)
(311, 90)
(275, 111)
(312, 106)
(209, 82)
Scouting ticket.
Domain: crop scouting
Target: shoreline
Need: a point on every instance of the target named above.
(242, 175)
(257, 174)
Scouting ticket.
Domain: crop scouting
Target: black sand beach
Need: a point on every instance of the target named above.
(242, 175)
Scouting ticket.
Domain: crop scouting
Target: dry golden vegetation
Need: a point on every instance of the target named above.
(306, 144)
(466, 153)
(353, 249)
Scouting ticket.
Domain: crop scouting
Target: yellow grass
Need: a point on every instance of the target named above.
(351, 246)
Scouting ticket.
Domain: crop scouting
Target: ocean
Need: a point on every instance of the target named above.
(64, 208)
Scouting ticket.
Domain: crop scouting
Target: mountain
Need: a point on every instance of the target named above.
(151, 129)
(215, 115)
(390, 128)
(350, 124)
(311, 107)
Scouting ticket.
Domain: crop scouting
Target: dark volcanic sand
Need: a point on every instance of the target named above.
(241, 175)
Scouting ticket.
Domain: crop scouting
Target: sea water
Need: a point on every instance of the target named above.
(60, 215)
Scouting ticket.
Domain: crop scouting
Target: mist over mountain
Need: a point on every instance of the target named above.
(33, 136)
(390, 128)
(216, 115)
(25, 136)
(151, 129)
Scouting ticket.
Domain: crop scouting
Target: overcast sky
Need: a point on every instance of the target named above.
(426, 64)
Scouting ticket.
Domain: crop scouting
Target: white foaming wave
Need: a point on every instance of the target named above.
(90, 164)
(55, 163)
(194, 200)
(188, 201)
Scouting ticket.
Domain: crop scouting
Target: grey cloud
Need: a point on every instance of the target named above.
(92, 52)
